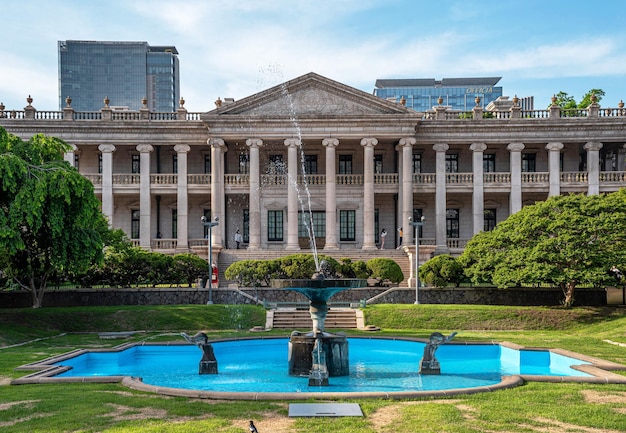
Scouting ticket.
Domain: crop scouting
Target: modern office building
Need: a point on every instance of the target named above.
(316, 152)
(123, 72)
(421, 94)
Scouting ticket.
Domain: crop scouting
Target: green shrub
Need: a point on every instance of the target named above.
(384, 270)
(189, 267)
(442, 270)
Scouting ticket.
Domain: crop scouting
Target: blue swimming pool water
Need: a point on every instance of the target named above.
(376, 365)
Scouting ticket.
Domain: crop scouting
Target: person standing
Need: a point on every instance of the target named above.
(238, 238)
(383, 235)
(400, 233)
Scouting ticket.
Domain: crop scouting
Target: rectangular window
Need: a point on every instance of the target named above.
(174, 223)
(134, 224)
(417, 163)
(274, 225)
(490, 219)
(489, 162)
(347, 225)
(175, 164)
(452, 162)
(246, 225)
(314, 219)
(100, 163)
(76, 161)
(378, 164)
(528, 163)
(452, 224)
(345, 164)
(135, 164)
(276, 165)
(310, 164)
(417, 216)
(244, 163)
(207, 164)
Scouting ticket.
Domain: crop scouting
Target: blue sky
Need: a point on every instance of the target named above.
(235, 48)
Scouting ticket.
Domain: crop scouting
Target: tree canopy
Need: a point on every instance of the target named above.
(566, 241)
(567, 102)
(50, 218)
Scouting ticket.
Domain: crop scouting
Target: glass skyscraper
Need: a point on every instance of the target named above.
(125, 72)
(421, 94)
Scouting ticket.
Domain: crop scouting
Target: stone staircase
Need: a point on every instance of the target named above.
(300, 319)
(229, 256)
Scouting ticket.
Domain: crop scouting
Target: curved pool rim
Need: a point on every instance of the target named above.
(598, 369)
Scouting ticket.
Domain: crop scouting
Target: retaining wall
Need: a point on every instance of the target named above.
(185, 295)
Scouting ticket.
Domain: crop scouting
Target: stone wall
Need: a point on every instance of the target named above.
(381, 295)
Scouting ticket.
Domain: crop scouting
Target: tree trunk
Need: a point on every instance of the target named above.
(568, 291)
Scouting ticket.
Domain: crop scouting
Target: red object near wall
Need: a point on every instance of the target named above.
(214, 276)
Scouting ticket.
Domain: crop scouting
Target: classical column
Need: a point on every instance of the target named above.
(69, 156)
(478, 192)
(369, 240)
(107, 180)
(182, 203)
(255, 194)
(144, 195)
(331, 194)
(407, 188)
(593, 167)
(515, 197)
(441, 244)
(554, 167)
(293, 145)
(217, 189)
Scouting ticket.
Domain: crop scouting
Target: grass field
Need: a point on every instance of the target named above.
(31, 335)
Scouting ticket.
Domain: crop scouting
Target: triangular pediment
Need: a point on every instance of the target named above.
(310, 95)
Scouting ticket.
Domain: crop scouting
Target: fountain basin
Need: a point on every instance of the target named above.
(252, 369)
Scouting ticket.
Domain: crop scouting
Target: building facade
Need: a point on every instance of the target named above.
(124, 72)
(422, 94)
(314, 158)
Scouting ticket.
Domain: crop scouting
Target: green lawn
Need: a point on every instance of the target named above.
(31, 335)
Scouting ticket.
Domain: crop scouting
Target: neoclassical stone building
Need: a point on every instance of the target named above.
(316, 155)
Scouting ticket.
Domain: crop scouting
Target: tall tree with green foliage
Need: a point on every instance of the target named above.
(567, 102)
(566, 241)
(50, 218)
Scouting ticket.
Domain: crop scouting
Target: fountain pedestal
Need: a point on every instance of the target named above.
(318, 354)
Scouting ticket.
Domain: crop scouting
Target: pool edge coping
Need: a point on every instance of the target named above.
(599, 369)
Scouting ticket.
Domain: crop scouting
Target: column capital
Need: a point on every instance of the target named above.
(441, 147)
(330, 142)
(144, 148)
(106, 148)
(182, 148)
(216, 142)
(292, 142)
(556, 146)
(408, 141)
(515, 147)
(254, 142)
(593, 145)
(369, 142)
(478, 147)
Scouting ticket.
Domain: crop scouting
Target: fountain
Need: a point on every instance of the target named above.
(208, 363)
(429, 364)
(318, 354)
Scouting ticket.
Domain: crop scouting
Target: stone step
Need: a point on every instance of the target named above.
(301, 319)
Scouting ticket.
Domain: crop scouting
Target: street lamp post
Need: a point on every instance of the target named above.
(416, 225)
(210, 225)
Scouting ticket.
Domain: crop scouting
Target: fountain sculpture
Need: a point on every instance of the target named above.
(429, 364)
(208, 363)
(318, 354)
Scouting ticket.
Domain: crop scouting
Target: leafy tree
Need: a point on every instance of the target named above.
(567, 102)
(50, 219)
(384, 269)
(566, 241)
